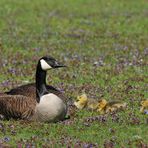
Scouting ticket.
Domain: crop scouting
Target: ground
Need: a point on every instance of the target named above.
(105, 46)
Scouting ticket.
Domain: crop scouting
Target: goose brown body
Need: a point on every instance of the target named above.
(17, 106)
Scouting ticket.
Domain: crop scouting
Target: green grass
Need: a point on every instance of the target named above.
(80, 33)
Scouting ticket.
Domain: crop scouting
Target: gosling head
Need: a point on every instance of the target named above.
(48, 62)
(82, 101)
(102, 104)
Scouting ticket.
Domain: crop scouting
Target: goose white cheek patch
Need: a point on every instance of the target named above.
(44, 65)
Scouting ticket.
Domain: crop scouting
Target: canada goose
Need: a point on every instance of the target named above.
(45, 107)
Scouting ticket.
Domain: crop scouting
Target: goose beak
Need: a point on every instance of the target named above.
(58, 65)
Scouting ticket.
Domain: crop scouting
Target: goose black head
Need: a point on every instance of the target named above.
(48, 62)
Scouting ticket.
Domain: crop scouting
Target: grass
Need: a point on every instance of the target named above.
(104, 43)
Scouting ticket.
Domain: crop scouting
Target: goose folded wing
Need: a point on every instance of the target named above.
(28, 90)
(17, 106)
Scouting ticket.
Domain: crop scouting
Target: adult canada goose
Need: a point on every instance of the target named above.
(46, 106)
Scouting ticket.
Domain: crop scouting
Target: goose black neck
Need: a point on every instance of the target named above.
(40, 82)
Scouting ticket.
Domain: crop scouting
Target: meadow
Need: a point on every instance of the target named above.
(105, 46)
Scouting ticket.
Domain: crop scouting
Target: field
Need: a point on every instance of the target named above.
(105, 46)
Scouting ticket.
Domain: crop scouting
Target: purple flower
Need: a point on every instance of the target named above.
(88, 145)
(146, 112)
(6, 139)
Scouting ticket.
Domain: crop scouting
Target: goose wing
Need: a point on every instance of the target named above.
(28, 90)
(17, 106)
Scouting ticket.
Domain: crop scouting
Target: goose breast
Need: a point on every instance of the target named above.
(51, 108)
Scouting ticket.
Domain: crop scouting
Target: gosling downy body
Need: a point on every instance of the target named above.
(111, 106)
(45, 107)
